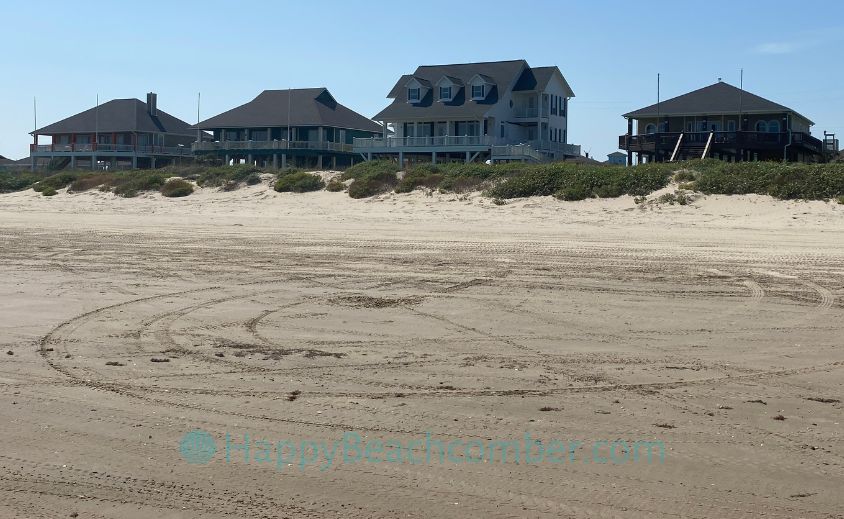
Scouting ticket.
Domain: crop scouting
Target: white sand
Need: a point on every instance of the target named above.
(405, 314)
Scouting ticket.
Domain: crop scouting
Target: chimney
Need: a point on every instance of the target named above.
(152, 104)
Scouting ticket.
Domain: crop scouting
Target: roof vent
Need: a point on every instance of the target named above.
(152, 104)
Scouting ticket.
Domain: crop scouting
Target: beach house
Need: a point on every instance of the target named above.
(720, 121)
(501, 110)
(304, 127)
(119, 133)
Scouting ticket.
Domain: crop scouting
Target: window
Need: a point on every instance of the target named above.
(413, 94)
(502, 131)
(445, 93)
(478, 91)
(761, 126)
(650, 128)
(731, 126)
(774, 127)
(565, 106)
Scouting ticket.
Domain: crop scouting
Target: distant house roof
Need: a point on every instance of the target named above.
(617, 154)
(502, 74)
(719, 98)
(119, 115)
(297, 107)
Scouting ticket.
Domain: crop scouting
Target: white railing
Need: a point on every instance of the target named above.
(557, 147)
(516, 151)
(271, 145)
(421, 142)
(524, 113)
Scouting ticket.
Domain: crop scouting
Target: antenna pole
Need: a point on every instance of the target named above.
(657, 101)
(97, 123)
(740, 99)
(289, 101)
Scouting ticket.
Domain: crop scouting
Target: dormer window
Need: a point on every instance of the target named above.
(445, 93)
(480, 85)
(413, 95)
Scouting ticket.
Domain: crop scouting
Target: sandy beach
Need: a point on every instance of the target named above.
(713, 329)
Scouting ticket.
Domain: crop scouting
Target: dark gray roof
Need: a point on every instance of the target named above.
(502, 74)
(119, 115)
(719, 98)
(305, 107)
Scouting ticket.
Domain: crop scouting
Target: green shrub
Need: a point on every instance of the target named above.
(219, 176)
(841, 199)
(685, 176)
(572, 193)
(18, 180)
(129, 183)
(335, 185)
(57, 181)
(89, 181)
(176, 187)
(253, 179)
(300, 182)
(372, 184)
(371, 168)
(418, 178)
(780, 180)
(49, 191)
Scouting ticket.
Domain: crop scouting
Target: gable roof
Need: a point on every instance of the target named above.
(719, 98)
(537, 78)
(304, 106)
(119, 115)
(500, 73)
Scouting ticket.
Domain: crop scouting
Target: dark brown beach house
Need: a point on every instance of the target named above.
(723, 122)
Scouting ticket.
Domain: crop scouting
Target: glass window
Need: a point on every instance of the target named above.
(731, 126)
(774, 126)
(478, 92)
(445, 93)
(413, 94)
(650, 128)
(761, 126)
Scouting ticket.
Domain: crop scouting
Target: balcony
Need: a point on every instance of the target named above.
(749, 140)
(199, 147)
(364, 144)
(109, 149)
(526, 113)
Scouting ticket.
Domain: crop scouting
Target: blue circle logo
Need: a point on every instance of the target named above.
(197, 447)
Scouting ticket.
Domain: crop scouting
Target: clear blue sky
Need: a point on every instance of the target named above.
(65, 53)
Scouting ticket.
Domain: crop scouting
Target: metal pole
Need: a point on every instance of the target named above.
(740, 98)
(289, 101)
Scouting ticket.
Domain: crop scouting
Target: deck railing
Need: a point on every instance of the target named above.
(110, 148)
(764, 139)
(421, 142)
(516, 151)
(271, 145)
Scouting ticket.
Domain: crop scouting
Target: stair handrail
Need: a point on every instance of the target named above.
(708, 145)
(677, 147)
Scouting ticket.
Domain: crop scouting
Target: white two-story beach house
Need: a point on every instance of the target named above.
(502, 110)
